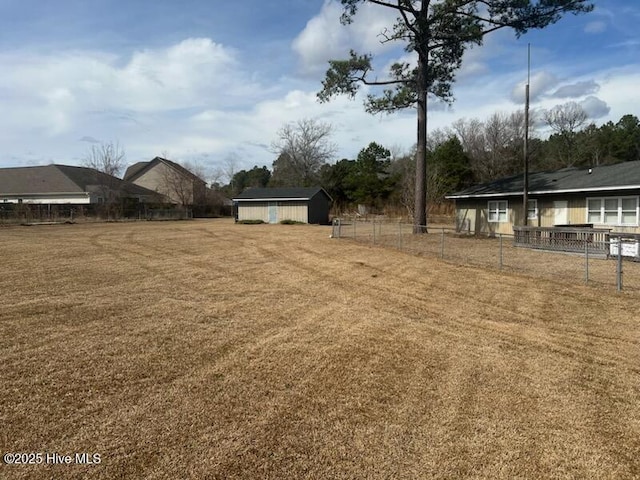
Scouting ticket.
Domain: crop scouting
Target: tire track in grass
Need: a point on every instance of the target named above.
(479, 312)
(574, 345)
(426, 371)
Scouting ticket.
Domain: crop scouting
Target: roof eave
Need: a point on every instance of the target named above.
(41, 194)
(545, 192)
(270, 199)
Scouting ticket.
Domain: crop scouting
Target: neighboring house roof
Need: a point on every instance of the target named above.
(274, 194)
(56, 179)
(138, 169)
(621, 176)
(36, 180)
(134, 169)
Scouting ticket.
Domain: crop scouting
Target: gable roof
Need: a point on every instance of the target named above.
(138, 169)
(133, 170)
(61, 179)
(273, 194)
(621, 176)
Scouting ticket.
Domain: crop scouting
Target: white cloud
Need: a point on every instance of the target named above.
(597, 26)
(619, 88)
(595, 107)
(324, 38)
(196, 100)
(72, 95)
(540, 85)
(191, 73)
(577, 89)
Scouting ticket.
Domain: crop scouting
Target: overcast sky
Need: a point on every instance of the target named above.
(206, 81)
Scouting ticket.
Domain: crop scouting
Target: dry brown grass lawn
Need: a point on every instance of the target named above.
(212, 350)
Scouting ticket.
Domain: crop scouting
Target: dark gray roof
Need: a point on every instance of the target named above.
(47, 179)
(289, 193)
(61, 179)
(137, 169)
(621, 176)
(133, 170)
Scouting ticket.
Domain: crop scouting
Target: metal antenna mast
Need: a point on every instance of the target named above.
(525, 199)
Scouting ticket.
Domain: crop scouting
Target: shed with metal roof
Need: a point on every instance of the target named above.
(274, 205)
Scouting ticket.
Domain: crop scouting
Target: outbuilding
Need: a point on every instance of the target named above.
(274, 205)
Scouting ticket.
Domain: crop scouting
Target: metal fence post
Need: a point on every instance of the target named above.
(586, 262)
(501, 258)
(373, 223)
(619, 269)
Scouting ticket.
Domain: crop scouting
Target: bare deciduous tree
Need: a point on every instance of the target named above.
(230, 168)
(566, 120)
(494, 146)
(108, 160)
(568, 117)
(303, 148)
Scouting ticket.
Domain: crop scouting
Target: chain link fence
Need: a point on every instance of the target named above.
(599, 263)
(16, 214)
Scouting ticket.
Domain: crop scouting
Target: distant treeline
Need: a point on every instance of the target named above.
(467, 153)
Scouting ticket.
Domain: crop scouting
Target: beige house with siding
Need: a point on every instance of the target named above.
(273, 205)
(170, 179)
(605, 196)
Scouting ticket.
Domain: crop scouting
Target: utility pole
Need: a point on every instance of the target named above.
(525, 196)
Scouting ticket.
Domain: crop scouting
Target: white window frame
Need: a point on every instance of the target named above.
(601, 220)
(495, 209)
(533, 216)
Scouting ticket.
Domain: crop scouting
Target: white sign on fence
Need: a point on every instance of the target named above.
(629, 248)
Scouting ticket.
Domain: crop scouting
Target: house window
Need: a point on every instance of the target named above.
(532, 209)
(620, 211)
(594, 210)
(498, 211)
(629, 211)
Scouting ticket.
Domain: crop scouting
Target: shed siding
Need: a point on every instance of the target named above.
(285, 210)
(294, 210)
(319, 206)
(313, 210)
(253, 211)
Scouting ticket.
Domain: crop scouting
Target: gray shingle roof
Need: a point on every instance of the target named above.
(61, 179)
(288, 193)
(133, 170)
(621, 176)
(37, 180)
(137, 169)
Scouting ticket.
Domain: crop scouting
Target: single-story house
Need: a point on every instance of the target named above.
(604, 196)
(178, 184)
(273, 205)
(64, 184)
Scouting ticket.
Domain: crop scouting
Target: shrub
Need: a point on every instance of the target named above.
(291, 222)
(250, 222)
